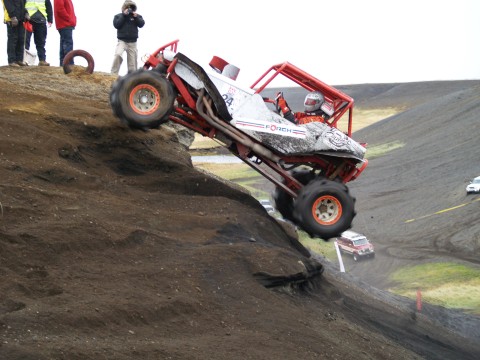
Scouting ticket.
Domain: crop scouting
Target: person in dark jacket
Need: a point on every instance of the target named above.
(65, 21)
(15, 15)
(41, 14)
(127, 24)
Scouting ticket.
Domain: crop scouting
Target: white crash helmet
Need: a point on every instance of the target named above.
(313, 101)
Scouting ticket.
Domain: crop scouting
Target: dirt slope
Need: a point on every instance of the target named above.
(112, 246)
(419, 188)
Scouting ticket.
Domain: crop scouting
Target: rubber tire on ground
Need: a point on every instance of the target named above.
(74, 53)
(283, 200)
(143, 99)
(324, 208)
(355, 257)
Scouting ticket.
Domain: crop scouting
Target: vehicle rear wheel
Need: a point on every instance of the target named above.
(324, 208)
(283, 200)
(143, 99)
(114, 98)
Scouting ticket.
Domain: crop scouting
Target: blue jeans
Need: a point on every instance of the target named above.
(40, 38)
(15, 40)
(66, 43)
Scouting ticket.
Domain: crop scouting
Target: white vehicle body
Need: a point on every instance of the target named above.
(355, 244)
(250, 114)
(474, 186)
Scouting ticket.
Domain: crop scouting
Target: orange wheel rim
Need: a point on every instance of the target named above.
(327, 210)
(144, 99)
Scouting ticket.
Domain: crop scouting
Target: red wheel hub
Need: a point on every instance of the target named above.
(144, 99)
(327, 210)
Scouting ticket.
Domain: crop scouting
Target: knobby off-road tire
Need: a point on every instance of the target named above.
(324, 208)
(113, 98)
(283, 200)
(67, 68)
(142, 99)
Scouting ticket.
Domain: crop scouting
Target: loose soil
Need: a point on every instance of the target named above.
(113, 246)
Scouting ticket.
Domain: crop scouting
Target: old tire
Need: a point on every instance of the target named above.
(142, 99)
(67, 68)
(324, 208)
(283, 200)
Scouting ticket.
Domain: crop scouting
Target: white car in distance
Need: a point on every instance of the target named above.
(474, 186)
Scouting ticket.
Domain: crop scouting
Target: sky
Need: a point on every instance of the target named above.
(340, 42)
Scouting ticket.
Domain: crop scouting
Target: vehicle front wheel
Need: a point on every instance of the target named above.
(324, 208)
(143, 99)
(355, 257)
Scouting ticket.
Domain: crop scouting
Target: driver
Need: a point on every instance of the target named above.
(314, 112)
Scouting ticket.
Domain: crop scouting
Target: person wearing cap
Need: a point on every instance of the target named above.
(127, 24)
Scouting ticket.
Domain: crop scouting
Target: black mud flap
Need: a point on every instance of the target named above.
(209, 86)
(300, 279)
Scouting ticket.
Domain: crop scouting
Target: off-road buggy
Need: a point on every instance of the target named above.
(308, 164)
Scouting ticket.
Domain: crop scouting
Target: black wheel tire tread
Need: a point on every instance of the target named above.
(283, 201)
(119, 99)
(307, 196)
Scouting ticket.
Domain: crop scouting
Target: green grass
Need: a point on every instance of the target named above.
(448, 284)
(380, 150)
(319, 246)
(241, 174)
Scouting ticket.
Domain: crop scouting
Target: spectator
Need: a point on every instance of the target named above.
(65, 21)
(127, 24)
(41, 14)
(15, 15)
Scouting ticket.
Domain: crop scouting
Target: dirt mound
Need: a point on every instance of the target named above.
(112, 246)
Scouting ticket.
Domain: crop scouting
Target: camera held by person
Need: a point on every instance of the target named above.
(131, 10)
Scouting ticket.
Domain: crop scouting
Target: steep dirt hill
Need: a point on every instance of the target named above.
(113, 246)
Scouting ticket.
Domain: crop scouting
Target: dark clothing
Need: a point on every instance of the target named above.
(15, 34)
(15, 43)
(127, 26)
(15, 8)
(39, 24)
(39, 37)
(66, 43)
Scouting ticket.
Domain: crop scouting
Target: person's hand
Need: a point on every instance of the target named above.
(278, 96)
(14, 21)
(49, 24)
(281, 104)
(27, 16)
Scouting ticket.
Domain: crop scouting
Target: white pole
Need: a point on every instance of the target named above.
(339, 255)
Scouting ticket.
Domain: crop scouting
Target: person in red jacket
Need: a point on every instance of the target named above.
(65, 21)
(316, 109)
